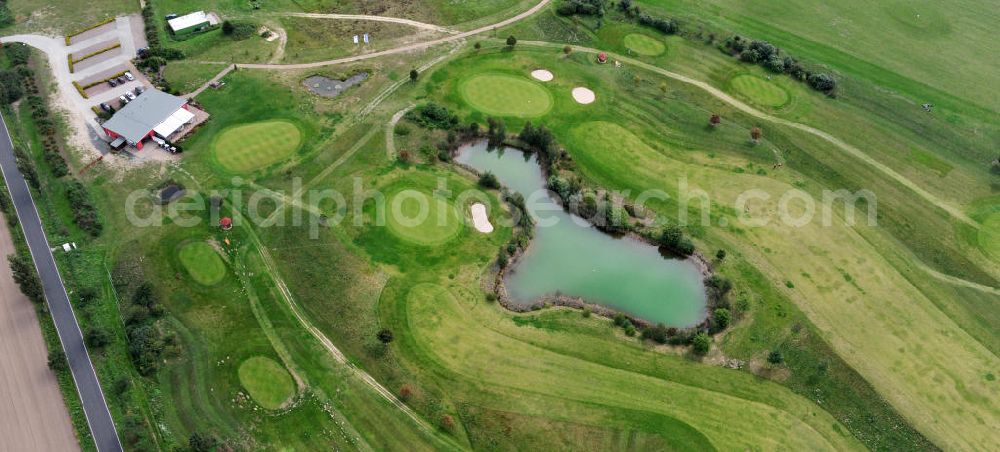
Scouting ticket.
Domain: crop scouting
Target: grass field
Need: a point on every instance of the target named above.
(422, 218)
(506, 95)
(66, 16)
(267, 382)
(249, 147)
(759, 91)
(202, 262)
(643, 44)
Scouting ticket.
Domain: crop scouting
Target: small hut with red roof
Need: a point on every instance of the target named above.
(602, 58)
(226, 223)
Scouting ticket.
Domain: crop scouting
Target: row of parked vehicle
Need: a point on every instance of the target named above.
(121, 79)
(129, 96)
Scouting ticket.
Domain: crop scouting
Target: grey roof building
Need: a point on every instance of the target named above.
(137, 119)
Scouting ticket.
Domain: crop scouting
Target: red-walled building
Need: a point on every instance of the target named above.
(151, 113)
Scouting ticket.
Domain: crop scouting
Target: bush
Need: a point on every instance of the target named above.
(11, 88)
(202, 442)
(98, 337)
(701, 343)
(659, 333)
(57, 360)
(26, 277)
(511, 41)
(84, 212)
(721, 319)
(488, 180)
(433, 116)
(385, 336)
(239, 29)
(667, 26)
(17, 53)
(822, 82)
(775, 357)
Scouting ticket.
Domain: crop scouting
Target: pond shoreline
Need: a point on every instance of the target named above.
(494, 278)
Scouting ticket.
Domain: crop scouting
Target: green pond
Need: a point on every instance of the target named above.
(569, 256)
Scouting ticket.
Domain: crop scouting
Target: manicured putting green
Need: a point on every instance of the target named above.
(644, 45)
(268, 382)
(253, 146)
(506, 95)
(989, 235)
(421, 218)
(202, 263)
(759, 91)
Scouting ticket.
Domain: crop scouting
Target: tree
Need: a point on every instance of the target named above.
(488, 180)
(701, 343)
(405, 392)
(720, 255)
(98, 337)
(57, 360)
(755, 134)
(413, 75)
(405, 157)
(659, 333)
(478, 45)
(567, 50)
(619, 319)
(663, 88)
(775, 357)
(715, 120)
(511, 41)
(822, 82)
(447, 422)
(26, 278)
(203, 442)
(721, 318)
(10, 86)
(385, 336)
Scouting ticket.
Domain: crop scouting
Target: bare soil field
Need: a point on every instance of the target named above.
(32, 414)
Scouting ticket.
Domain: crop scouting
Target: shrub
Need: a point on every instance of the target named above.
(701, 343)
(385, 336)
(667, 26)
(57, 360)
(721, 319)
(659, 333)
(84, 212)
(98, 337)
(822, 82)
(26, 278)
(511, 41)
(488, 180)
(17, 53)
(775, 357)
(239, 29)
(11, 88)
(433, 116)
(414, 74)
(405, 392)
(202, 442)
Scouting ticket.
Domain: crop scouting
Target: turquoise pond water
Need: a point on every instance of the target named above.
(573, 258)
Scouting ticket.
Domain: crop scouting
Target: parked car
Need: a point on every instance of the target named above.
(121, 80)
(128, 76)
(124, 99)
(112, 82)
(170, 16)
(129, 95)
(139, 90)
(106, 107)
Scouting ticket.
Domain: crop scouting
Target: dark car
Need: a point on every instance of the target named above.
(138, 90)
(121, 80)
(170, 16)
(112, 82)
(106, 107)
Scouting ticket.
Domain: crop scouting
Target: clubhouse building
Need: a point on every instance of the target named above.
(153, 114)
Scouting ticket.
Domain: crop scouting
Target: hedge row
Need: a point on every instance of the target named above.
(101, 23)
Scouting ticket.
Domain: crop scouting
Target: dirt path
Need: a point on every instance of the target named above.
(33, 416)
(390, 132)
(395, 20)
(954, 211)
(279, 53)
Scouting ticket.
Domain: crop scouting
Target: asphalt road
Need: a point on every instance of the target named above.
(95, 407)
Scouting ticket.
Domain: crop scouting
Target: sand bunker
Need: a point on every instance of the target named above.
(583, 95)
(480, 220)
(542, 75)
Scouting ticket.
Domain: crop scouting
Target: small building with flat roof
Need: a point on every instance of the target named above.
(190, 23)
(152, 113)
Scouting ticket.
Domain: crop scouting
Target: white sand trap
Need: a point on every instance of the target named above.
(542, 74)
(480, 220)
(583, 95)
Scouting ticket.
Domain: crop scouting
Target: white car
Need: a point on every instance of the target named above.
(129, 76)
(124, 99)
(129, 95)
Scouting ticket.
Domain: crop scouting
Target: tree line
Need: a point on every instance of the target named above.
(772, 58)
